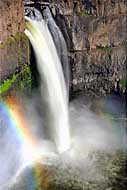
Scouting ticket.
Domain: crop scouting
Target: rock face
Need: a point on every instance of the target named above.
(13, 43)
(95, 32)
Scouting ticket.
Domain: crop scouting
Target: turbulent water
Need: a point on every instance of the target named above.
(53, 87)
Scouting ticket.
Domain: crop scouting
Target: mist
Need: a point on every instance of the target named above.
(89, 130)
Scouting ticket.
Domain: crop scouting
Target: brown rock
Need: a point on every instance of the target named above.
(13, 44)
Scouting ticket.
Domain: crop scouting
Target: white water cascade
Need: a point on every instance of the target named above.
(59, 43)
(53, 88)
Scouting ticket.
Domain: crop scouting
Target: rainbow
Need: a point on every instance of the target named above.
(13, 117)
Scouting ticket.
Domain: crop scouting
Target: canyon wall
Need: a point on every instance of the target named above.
(14, 45)
(95, 32)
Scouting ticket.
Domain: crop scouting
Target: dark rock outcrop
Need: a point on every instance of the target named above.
(95, 32)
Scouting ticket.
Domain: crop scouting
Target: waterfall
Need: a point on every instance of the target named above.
(53, 87)
(59, 43)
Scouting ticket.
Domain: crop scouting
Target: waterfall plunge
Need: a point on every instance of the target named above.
(53, 88)
(59, 43)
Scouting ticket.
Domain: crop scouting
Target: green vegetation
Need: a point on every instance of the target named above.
(12, 40)
(123, 83)
(84, 14)
(106, 48)
(26, 78)
(20, 80)
(7, 84)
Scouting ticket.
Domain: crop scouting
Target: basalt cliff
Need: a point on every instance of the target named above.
(95, 33)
